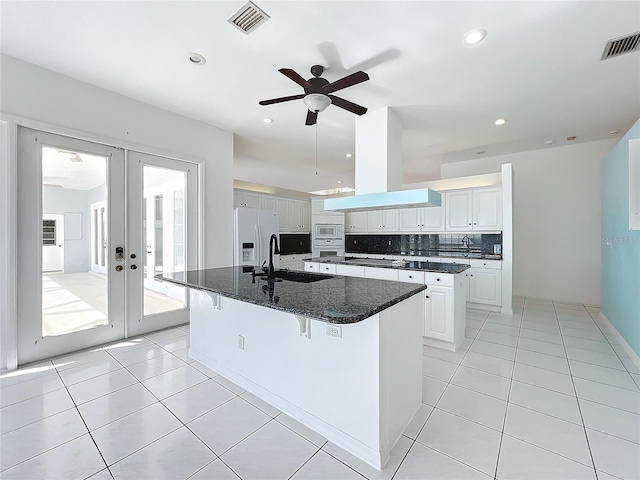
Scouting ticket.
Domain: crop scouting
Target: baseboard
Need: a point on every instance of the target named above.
(627, 348)
(343, 440)
(482, 306)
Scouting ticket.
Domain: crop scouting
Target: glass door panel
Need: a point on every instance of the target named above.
(68, 297)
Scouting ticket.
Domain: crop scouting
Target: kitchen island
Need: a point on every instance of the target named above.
(444, 300)
(342, 355)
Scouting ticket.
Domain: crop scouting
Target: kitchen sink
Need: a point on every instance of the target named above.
(294, 276)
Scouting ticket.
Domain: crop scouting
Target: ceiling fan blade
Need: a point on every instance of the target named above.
(311, 118)
(347, 81)
(295, 77)
(347, 105)
(281, 99)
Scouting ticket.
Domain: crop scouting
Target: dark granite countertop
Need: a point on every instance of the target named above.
(436, 267)
(333, 299)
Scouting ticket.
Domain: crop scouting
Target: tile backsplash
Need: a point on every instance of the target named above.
(425, 245)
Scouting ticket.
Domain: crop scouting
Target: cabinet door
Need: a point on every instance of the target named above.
(458, 210)
(409, 220)
(432, 219)
(294, 216)
(350, 270)
(487, 209)
(269, 203)
(283, 214)
(359, 222)
(381, 273)
(311, 267)
(485, 286)
(237, 199)
(305, 216)
(251, 200)
(390, 220)
(438, 313)
(374, 220)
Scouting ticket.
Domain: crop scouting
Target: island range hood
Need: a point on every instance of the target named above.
(378, 163)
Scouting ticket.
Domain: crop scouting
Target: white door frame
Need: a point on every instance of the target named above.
(137, 322)
(32, 345)
(98, 250)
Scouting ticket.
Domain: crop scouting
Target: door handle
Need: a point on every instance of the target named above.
(133, 267)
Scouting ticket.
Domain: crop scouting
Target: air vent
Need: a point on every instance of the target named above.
(248, 18)
(621, 45)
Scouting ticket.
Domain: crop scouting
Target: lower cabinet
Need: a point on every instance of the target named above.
(438, 313)
(293, 262)
(485, 286)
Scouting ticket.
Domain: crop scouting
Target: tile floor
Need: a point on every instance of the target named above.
(545, 394)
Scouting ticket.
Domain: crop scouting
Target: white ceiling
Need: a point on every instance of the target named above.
(539, 68)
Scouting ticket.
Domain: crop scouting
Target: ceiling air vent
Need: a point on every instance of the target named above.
(621, 45)
(248, 18)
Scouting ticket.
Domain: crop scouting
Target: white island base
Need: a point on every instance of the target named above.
(359, 391)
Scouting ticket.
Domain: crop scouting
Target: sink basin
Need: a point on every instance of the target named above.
(292, 276)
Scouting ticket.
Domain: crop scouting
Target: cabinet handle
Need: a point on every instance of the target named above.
(472, 275)
(437, 279)
(484, 263)
(474, 223)
(469, 223)
(427, 296)
(410, 276)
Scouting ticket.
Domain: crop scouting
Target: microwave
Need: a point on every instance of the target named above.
(327, 231)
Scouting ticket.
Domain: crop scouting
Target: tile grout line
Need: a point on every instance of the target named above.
(584, 427)
(506, 409)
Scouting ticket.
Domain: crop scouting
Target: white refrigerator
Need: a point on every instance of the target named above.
(252, 230)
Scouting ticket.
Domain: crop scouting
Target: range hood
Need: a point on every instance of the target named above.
(378, 165)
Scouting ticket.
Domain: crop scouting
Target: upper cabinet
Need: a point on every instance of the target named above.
(293, 215)
(474, 210)
(242, 198)
(382, 220)
(459, 217)
(426, 219)
(355, 222)
(317, 208)
(487, 209)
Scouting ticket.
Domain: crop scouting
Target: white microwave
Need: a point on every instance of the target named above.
(327, 231)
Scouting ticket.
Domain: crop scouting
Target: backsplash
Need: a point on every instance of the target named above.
(443, 244)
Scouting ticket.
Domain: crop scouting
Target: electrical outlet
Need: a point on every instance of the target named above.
(334, 331)
(240, 342)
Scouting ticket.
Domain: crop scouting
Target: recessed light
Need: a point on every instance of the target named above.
(267, 120)
(348, 155)
(339, 181)
(197, 59)
(549, 142)
(481, 152)
(501, 121)
(571, 139)
(615, 132)
(474, 36)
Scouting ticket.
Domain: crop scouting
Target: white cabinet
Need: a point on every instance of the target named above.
(485, 286)
(293, 262)
(458, 210)
(328, 268)
(317, 208)
(487, 209)
(381, 273)
(243, 198)
(305, 216)
(283, 213)
(269, 203)
(311, 267)
(382, 220)
(350, 270)
(355, 222)
(438, 313)
(294, 215)
(474, 210)
(427, 219)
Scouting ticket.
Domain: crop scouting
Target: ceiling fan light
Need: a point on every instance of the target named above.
(316, 102)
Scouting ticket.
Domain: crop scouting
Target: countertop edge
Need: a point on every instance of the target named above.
(295, 311)
(462, 266)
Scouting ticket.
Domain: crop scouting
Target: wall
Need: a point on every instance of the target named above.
(620, 277)
(77, 253)
(38, 98)
(556, 218)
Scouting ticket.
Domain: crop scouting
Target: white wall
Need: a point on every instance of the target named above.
(42, 99)
(556, 218)
(77, 253)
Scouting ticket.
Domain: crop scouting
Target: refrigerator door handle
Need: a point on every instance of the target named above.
(258, 244)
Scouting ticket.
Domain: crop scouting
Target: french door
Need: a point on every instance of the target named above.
(97, 291)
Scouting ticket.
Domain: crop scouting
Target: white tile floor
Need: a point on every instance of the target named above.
(545, 394)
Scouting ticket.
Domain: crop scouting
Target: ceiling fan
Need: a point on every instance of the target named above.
(317, 92)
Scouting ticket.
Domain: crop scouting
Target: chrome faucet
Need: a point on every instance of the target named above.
(272, 272)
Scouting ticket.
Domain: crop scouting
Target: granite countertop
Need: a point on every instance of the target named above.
(334, 299)
(436, 267)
